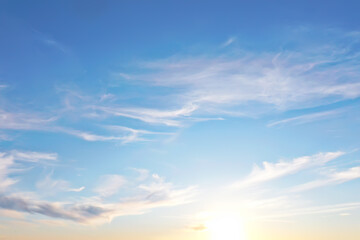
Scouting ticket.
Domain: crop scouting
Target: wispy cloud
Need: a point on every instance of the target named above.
(306, 118)
(88, 136)
(143, 173)
(23, 121)
(252, 83)
(18, 161)
(156, 192)
(228, 42)
(109, 185)
(272, 171)
(153, 116)
(333, 178)
(50, 186)
(203, 87)
(32, 122)
(94, 211)
(51, 42)
(325, 209)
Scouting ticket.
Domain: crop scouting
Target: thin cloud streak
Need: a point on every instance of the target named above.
(30, 122)
(306, 118)
(335, 208)
(228, 42)
(152, 116)
(272, 171)
(333, 178)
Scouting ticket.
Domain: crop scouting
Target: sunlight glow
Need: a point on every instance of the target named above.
(226, 227)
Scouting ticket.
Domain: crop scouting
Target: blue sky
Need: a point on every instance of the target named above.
(117, 116)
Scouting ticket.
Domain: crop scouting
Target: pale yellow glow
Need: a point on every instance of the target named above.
(226, 227)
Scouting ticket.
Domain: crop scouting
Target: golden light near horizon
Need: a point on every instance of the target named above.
(226, 227)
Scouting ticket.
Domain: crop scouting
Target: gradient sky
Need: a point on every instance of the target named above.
(153, 120)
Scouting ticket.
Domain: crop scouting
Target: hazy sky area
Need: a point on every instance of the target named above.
(174, 120)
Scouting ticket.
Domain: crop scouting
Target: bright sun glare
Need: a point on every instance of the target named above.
(226, 227)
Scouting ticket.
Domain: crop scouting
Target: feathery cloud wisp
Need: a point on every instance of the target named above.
(306, 118)
(109, 185)
(14, 161)
(272, 171)
(290, 79)
(332, 178)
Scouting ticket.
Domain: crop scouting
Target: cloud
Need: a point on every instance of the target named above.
(143, 173)
(306, 118)
(76, 189)
(33, 156)
(157, 188)
(88, 136)
(107, 97)
(109, 185)
(15, 161)
(89, 210)
(251, 83)
(51, 186)
(200, 227)
(272, 171)
(210, 87)
(228, 42)
(49, 41)
(31, 122)
(92, 210)
(324, 209)
(22, 121)
(332, 179)
(153, 116)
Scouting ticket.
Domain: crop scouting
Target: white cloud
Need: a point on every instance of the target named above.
(107, 97)
(33, 156)
(50, 186)
(253, 83)
(76, 189)
(143, 173)
(92, 210)
(88, 136)
(324, 209)
(228, 42)
(272, 171)
(306, 118)
(17, 161)
(109, 185)
(30, 122)
(153, 116)
(332, 178)
(23, 121)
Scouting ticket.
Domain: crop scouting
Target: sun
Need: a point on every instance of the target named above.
(226, 227)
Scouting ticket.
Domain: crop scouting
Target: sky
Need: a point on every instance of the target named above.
(198, 120)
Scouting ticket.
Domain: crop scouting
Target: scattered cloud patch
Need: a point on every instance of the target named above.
(18, 161)
(93, 210)
(50, 186)
(109, 185)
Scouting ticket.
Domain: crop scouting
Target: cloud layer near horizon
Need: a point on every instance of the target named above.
(153, 192)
